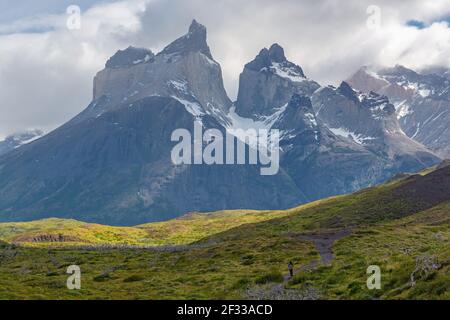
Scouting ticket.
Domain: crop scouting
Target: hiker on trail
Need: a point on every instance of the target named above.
(291, 269)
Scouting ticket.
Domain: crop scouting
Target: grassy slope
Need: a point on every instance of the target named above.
(394, 247)
(232, 256)
(187, 229)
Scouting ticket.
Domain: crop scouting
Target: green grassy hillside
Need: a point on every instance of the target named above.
(185, 230)
(244, 254)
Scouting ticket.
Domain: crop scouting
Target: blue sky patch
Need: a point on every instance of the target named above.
(416, 24)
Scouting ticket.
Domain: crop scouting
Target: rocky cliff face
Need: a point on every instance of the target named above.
(268, 83)
(184, 70)
(320, 162)
(334, 140)
(422, 101)
(370, 121)
(117, 169)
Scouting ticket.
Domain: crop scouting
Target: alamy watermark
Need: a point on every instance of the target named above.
(74, 17)
(74, 280)
(374, 279)
(373, 21)
(235, 147)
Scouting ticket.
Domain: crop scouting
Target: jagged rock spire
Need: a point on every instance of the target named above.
(347, 91)
(276, 53)
(193, 41)
(266, 57)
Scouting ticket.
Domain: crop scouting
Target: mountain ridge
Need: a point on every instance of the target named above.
(110, 163)
(421, 101)
(17, 140)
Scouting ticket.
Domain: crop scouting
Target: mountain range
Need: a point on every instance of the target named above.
(421, 100)
(111, 163)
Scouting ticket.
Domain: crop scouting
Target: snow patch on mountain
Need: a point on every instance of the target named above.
(21, 143)
(311, 118)
(287, 72)
(146, 59)
(180, 85)
(345, 133)
(402, 109)
(262, 122)
(193, 108)
(239, 126)
(424, 92)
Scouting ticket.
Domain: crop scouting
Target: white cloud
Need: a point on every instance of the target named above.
(45, 78)
(329, 39)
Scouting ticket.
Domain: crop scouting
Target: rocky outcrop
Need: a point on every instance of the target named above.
(268, 83)
(185, 70)
(422, 101)
(370, 121)
(321, 162)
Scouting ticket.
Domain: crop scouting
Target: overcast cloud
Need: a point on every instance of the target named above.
(46, 70)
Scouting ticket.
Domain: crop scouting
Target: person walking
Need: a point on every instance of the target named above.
(291, 269)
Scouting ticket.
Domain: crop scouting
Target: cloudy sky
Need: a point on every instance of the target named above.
(46, 69)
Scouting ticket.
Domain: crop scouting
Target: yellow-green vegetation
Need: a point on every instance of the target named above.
(196, 226)
(234, 254)
(184, 230)
(59, 232)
